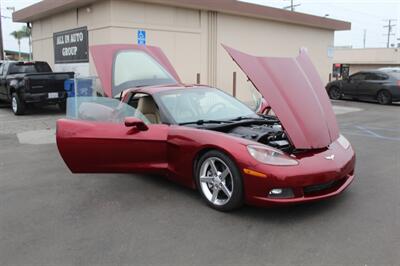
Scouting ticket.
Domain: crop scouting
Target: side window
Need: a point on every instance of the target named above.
(3, 69)
(371, 76)
(145, 106)
(101, 109)
(376, 76)
(382, 76)
(358, 77)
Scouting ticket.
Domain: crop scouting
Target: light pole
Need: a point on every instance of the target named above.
(1, 38)
(1, 32)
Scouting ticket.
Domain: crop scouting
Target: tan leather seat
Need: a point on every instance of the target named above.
(149, 109)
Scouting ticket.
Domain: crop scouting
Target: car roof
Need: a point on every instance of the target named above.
(376, 71)
(370, 71)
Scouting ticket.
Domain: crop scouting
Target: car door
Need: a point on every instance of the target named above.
(97, 140)
(372, 84)
(351, 85)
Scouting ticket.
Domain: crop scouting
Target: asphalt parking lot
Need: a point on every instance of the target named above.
(49, 216)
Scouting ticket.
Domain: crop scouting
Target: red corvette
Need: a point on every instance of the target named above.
(203, 138)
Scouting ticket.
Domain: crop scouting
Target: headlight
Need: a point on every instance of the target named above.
(343, 142)
(271, 156)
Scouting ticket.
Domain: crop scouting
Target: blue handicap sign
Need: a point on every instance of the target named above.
(141, 37)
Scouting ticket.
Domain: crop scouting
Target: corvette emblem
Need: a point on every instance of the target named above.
(331, 158)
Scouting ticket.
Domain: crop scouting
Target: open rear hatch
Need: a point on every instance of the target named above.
(295, 92)
(125, 66)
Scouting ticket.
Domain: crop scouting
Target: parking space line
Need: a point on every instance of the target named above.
(368, 132)
(384, 129)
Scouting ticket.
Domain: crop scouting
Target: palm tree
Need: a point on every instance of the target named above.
(18, 35)
(27, 33)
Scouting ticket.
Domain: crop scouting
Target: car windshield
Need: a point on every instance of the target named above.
(192, 105)
(101, 109)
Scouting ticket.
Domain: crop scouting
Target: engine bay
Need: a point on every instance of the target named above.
(271, 135)
(266, 131)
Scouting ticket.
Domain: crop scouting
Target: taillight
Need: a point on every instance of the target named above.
(398, 83)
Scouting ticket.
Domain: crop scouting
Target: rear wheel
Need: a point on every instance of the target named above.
(18, 107)
(384, 97)
(219, 181)
(335, 93)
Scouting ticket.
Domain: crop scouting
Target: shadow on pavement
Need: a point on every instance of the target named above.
(36, 110)
(282, 215)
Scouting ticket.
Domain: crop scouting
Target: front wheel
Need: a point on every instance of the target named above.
(335, 93)
(219, 181)
(384, 97)
(18, 106)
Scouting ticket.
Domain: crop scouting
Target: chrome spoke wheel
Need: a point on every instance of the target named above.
(216, 181)
(14, 104)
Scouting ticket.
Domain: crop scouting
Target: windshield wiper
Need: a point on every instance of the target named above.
(202, 122)
(240, 118)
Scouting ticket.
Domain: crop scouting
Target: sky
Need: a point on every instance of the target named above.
(363, 14)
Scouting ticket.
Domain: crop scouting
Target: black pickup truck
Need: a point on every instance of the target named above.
(23, 83)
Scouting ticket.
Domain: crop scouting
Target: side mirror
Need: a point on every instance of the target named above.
(136, 122)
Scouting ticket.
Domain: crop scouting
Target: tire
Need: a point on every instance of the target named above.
(62, 106)
(222, 191)
(335, 93)
(18, 107)
(384, 97)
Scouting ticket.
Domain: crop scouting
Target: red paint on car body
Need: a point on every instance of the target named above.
(173, 150)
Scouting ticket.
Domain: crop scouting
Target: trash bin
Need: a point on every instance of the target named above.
(84, 87)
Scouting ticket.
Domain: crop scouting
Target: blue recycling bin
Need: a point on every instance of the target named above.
(84, 87)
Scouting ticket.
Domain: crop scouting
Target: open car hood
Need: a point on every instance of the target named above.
(295, 92)
(104, 57)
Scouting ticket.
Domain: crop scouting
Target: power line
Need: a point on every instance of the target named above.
(389, 33)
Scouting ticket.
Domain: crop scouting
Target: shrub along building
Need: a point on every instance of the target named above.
(190, 32)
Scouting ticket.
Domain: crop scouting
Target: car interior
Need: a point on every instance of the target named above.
(146, 105)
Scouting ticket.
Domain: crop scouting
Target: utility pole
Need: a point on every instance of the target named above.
(1, 38)
(292, 6)
(390, 27)
(365, 37)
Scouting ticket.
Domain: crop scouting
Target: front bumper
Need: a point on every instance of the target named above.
(315, 178)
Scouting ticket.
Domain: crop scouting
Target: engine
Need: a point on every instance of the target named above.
(271, 135)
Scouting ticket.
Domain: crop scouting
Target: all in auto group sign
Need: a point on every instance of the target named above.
(71, 46)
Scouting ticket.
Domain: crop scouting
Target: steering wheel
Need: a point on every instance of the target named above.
(215, 106)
